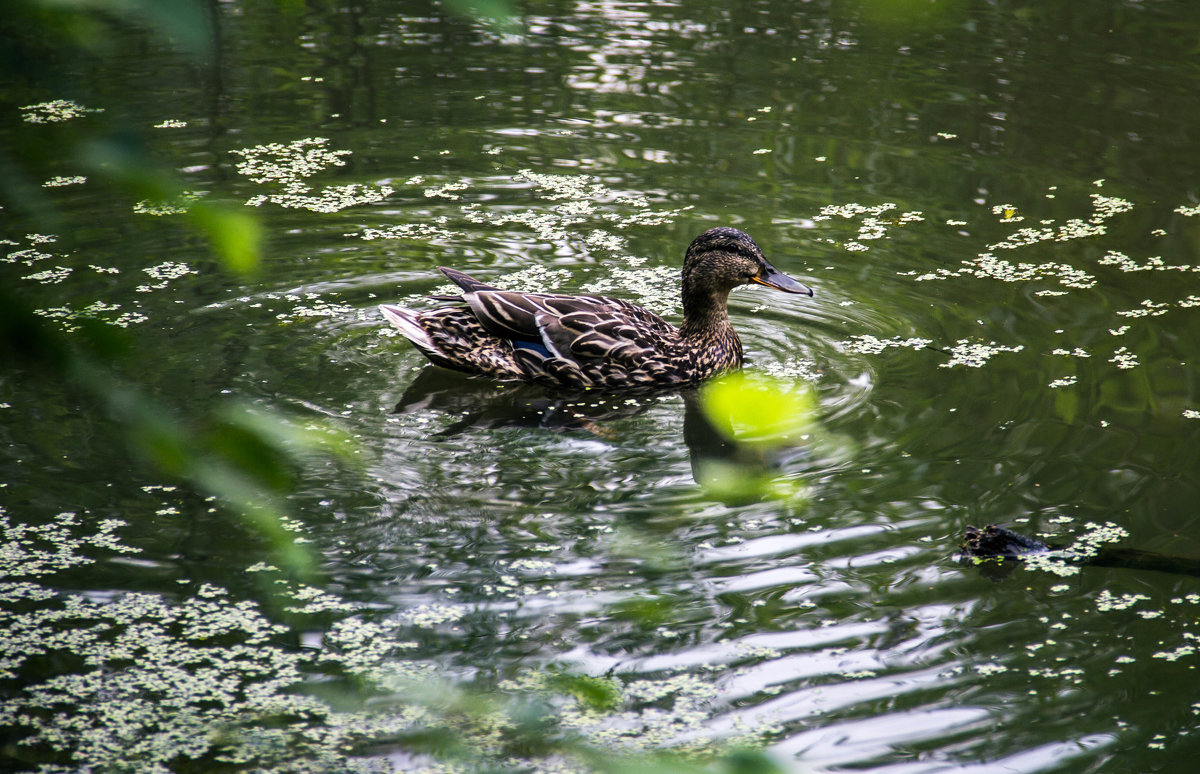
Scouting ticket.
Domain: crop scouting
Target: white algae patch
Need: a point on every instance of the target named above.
(286, 167)
(50, 270)
(55, 111)
(974, 354)
(146, 682)
(579, 200)
(1066, 562)
(61, 181)
(176, 206)
(1069, 277)
(1124, 359)
(870, 345)
(164, 273)
(795, 368)
(418, 231)
(871, 225)
(656, 288)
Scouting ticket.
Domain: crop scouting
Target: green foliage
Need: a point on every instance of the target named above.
(497, 13)
(244, 456)
(756, 409)
(756, 415)
(911, 14)
(596, 693)
(235, 236)
(185, 22)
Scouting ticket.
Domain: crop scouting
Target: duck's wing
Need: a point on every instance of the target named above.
(586, 335)
(514, 315)
(584, 349)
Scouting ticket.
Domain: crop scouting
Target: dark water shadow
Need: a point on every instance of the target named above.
(715, 457)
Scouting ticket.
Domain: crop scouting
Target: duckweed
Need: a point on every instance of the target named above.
(51, 276)
(870, 345)
(1124, 359)
(285, 167)
(1066, 562)
(656, 288)
(581, 199)
(419, 231)
(60, 181)
(177, 206)
(154, 681)
(1106, 601)
(55, 111)
(871, 225)
(975, 355)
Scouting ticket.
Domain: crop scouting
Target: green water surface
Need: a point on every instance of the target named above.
(996, 202)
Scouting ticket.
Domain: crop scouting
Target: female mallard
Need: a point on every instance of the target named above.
(597, 342)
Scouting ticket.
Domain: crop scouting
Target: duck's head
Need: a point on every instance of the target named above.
(722, 258)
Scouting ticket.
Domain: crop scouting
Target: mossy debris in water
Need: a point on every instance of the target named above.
(144, 682)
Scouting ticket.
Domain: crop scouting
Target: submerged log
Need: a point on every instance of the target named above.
(999, 543)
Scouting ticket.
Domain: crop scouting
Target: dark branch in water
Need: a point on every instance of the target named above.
(996, 542)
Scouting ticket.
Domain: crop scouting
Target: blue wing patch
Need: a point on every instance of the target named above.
(533, 346)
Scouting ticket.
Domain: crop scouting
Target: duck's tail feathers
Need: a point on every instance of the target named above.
(464, 280)
(406, 321)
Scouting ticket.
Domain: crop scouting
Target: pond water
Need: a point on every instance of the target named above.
(997, 204)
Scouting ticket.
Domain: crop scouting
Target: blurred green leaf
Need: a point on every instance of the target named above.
(747, 761)
(736, 483)
(918, 14)
(284, 436)
(496, 13)
(235, 236)
(242, 457)
(596, 693)
(758, 409)
(186, 23)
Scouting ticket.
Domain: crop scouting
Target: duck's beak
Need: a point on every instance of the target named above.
(774, 278)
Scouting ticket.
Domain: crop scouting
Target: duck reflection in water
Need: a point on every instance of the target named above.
(715, 457)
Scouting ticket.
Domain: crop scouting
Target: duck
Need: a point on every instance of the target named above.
(586, 342)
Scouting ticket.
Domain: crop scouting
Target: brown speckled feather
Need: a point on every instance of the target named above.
(594, 341)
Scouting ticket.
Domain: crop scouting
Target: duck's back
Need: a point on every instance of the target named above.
(577, 341)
